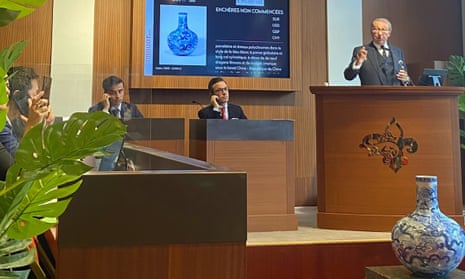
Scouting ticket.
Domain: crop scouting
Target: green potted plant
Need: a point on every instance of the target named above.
(48, 167)
(456, 76)
(47, 171)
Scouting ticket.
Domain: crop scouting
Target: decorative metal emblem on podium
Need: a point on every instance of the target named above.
(390, 145)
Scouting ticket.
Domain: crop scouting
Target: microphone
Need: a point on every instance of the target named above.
(195, 102)
(402, 67)
(401, 64)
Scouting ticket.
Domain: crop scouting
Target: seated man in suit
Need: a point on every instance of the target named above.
(219, 107)
(113, 102)
(378, 63)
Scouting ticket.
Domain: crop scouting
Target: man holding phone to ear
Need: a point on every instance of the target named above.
(26, 107)
(113, 100)
(113, 103)
(23, 85)
(219, 107)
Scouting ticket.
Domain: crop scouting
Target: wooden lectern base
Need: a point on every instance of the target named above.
(359, 190)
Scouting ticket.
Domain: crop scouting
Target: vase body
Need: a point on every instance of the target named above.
(182, 41)
(427, 242)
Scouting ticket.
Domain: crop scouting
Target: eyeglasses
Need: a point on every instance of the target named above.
(381, 30)
(219, 90)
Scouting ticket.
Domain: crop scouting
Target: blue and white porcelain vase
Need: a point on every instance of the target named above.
(427, 242)
(182, 41)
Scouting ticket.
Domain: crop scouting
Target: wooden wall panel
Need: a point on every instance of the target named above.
(37, 30)
(112, 55)
(257, 104)
(426, 30)
(422, 39)
(314, 71)
(112, 37)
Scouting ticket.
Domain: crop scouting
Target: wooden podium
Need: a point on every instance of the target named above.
(182, 219)
(361, 192)
(265, 150)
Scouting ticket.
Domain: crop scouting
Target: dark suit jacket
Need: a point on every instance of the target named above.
(6, 161)
(128, 110)
(9, 140)
(370, 72)
(234, 111)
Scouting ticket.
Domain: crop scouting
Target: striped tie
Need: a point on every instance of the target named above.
(223, 113)
(384, 52)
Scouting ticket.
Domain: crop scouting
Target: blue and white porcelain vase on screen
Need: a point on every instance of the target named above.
(427, 242)
(182, 41)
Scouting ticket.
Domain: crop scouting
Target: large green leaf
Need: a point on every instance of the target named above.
(14, 274)
(18, 259)
(82, 135)
(456, 76)
(9, 202)
(11, 246)
(46, 199)
(9, 55)
(3, 101)
(456, 70)
(16, 253)
(48, 168)
(32, 3)
(7, 16)
(22, 8)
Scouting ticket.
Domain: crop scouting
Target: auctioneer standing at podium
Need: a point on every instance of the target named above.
(219, 107)
(378, 63)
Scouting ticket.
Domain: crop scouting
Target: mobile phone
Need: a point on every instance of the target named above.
(46, 85)
(20, 100)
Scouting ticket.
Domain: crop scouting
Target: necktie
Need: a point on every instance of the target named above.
(384, 52)
(223, 113)
(115, 112)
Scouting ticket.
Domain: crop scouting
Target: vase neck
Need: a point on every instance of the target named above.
(182, 20)
(427, 195)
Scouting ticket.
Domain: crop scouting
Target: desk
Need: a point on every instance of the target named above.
(400, 272)
(265, 150)
(176, 218)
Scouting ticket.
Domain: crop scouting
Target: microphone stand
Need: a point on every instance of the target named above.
(196, 102)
